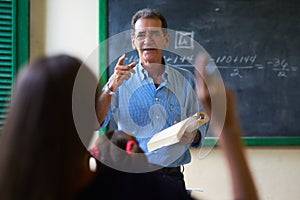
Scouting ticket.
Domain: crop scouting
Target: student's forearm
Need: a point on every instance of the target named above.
(243, 184)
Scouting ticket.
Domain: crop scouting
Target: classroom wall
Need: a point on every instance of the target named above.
(276, 171)
(65, 26)
(71, 26)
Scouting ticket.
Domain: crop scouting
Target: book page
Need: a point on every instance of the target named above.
(173, 134)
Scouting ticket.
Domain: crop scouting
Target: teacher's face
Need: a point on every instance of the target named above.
(149, 40)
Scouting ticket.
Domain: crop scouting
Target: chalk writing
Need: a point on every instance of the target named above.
(179, 59)
(280, 66)
(236, 72)
(184, 40)
(237, 64)
(228, 59)
(132, 58)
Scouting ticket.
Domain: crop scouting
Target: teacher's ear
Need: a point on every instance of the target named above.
(167, 40)
(132, 43)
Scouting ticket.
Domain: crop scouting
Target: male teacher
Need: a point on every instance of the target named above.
(146, 97)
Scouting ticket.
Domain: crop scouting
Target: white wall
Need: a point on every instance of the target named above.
(64, 26)
(276, 172)
(71, 26)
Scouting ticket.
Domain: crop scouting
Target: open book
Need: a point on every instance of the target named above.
(173, 134)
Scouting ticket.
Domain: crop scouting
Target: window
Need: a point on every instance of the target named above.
(14, 47)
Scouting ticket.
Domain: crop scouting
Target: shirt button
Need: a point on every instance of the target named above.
(155, 152)
(156, 99)
(157, 117)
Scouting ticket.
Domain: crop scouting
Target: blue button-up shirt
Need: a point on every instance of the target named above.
(142, 109)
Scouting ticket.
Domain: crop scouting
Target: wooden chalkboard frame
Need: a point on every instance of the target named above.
(209, 141)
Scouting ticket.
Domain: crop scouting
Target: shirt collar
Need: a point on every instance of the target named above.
(144, 73)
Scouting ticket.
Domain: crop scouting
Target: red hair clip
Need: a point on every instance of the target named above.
(129, 146)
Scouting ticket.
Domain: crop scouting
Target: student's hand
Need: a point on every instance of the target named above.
(226, 112)
(121, 72)
(188, 137)
(189, 134)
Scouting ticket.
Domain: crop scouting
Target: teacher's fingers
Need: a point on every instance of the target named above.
(124, 74)
(121, 59)
(131, 66)
(120, 65)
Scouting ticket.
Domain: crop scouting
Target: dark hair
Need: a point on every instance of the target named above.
(41, 154)
(112, 148)
(148, 13)
(120, 139)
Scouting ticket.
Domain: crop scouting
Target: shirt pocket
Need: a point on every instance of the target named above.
(176, 112)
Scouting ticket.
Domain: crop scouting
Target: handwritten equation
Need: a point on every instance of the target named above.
(237, 64)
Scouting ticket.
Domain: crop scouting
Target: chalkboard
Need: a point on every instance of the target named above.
(255, 44)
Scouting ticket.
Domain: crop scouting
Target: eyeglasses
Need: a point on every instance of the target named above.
(153, 34)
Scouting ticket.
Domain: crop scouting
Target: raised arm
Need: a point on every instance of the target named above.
(230, 142)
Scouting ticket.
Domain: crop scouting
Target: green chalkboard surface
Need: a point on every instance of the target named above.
(256, 46)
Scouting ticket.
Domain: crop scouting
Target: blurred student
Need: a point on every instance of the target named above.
(41, 154)
(117, 148)
(210, 88)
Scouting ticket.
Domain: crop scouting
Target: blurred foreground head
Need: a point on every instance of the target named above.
(41, 154)
(121, 151)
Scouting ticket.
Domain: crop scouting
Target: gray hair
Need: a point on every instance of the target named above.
(148, 13)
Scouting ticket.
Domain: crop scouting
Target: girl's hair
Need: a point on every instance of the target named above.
(41, 154)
